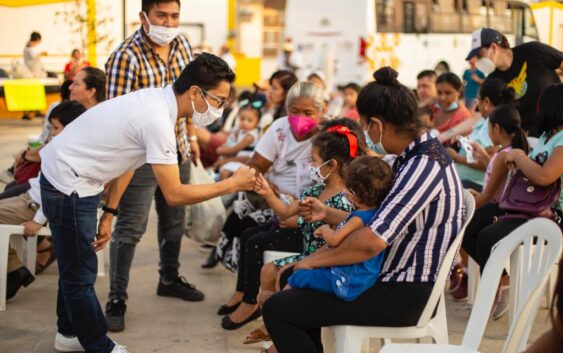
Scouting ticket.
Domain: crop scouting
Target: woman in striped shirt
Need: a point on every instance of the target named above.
(416, 224)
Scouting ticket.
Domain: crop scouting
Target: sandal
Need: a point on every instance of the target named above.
(39, 267)
(257, 335)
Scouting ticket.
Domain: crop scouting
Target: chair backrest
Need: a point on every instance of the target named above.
(534, 265)
(447, 262)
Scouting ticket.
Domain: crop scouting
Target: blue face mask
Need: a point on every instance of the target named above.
(451, 108)
(375, 147)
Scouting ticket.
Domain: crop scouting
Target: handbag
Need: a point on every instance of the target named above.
(207, 217)
(523, 198)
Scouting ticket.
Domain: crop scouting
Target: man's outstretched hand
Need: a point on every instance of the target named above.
(244, 179)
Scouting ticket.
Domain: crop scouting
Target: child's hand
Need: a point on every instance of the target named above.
(262, 186)
(312, 209)
(322, 230)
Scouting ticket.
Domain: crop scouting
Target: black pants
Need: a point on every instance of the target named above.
(484, 216)
(253, 243)
(294, 317)
(13, 189)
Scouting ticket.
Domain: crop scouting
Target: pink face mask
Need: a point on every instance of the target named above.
(301, 125)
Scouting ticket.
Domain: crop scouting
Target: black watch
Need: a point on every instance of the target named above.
(113, 211)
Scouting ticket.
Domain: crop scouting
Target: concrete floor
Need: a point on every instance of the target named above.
(156, 324)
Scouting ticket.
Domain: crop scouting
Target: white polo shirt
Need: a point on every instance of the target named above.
(111, 138)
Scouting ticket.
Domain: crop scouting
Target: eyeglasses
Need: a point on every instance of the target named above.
(221, 103)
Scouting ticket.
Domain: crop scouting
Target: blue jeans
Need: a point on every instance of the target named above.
(73, 223)
(131, 224)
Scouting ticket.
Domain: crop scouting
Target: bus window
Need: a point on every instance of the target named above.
(445, 16)
(415, 17)
(530, 29)
(501, 17)
(474, 16)
(385, 15)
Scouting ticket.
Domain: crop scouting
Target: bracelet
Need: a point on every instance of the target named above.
(192, 138)
(113, 211)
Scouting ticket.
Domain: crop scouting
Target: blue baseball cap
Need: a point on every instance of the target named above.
(483, 38)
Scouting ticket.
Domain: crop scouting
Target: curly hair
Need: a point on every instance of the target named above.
(370, 179)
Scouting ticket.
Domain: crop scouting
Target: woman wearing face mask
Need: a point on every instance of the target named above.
(528, 68)
(450, 111)
(423, 213)
(280, 83)
(284, 152)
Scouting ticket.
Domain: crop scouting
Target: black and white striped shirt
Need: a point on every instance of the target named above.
(422, 214)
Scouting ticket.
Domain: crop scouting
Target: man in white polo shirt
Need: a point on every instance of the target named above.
(107, 143)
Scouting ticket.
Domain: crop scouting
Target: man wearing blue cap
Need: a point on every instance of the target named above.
(528, 68)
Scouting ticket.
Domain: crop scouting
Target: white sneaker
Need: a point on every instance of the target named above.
(6, 176)
(119, 349)
(67, 344)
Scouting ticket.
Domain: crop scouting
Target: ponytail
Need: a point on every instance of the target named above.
(520, 140)
(508, 119)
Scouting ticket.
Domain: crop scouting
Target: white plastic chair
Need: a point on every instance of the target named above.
(349, 338)
(271, 255)
(533, 264)
(27, 250)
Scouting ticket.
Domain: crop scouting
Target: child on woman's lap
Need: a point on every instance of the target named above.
(368, 181)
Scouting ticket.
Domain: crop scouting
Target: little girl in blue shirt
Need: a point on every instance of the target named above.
(368, 181)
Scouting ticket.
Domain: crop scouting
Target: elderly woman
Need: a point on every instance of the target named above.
(285, 152)
(416, 224)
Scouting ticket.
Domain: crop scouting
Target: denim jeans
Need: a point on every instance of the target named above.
(132, 223)
(73, 224)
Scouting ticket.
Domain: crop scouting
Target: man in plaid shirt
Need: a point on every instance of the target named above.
(153, 56)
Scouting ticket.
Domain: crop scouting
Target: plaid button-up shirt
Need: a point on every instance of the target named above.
(135, 65)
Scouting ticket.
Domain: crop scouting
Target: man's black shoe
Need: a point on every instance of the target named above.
(115, 315)
(179, 288)
(16, 279)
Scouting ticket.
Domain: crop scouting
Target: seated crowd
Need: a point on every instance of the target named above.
(364, 185)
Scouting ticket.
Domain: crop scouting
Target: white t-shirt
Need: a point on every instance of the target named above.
(34, 193)
(291, 158)
(238, 135)
(111, 138)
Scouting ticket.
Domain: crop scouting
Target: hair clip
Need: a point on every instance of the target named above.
(352, 139)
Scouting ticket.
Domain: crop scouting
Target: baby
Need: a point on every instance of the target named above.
(368, 180)
(242, 140)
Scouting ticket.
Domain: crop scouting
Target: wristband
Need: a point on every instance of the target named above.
(113, 211)
(192, 138)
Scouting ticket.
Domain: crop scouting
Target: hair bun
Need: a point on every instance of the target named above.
(386, 76)
(508, 95)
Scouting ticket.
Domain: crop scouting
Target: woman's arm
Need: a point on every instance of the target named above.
(359, 246)
(498, 175)
(258, 162)
(334, 238)
(246, 141)
(541, 175)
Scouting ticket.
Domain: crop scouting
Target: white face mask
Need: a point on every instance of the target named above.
(161, 35)
(208, 117)
(316, 175)
(485, 65)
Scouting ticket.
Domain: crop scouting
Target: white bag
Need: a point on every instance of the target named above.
(208, 217)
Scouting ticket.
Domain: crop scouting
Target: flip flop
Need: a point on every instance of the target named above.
(257, 335)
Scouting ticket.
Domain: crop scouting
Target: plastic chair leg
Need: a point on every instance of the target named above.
(473, 278)
(4, 245)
